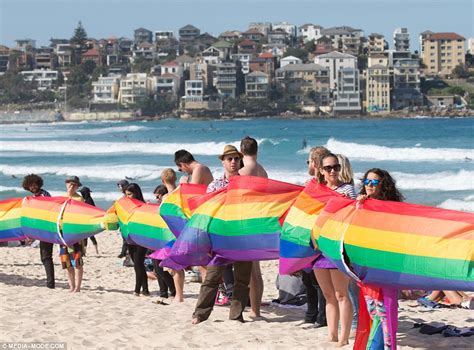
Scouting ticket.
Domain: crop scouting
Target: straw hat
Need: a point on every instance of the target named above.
(230, 149)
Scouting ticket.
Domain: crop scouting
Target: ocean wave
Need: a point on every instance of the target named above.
(404, 154)
(458, 204)
(93, 147)
(144, 172)
(46, 133)
(443, 181)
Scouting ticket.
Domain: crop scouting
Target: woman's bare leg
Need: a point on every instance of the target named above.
(178, 278)
(70, 279)
(79, 272)
(340, 283)
(332, 308)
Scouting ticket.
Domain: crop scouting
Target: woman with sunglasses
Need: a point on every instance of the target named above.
(137, 252)
(378, 184)
(334, 283)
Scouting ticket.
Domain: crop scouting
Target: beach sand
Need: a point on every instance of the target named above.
(106, 315)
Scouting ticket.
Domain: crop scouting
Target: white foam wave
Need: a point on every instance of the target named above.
(45, 133)
(403, 154)
(442, 181)
(92, 147)
(144, 172)
(11, 189)
(458, 204)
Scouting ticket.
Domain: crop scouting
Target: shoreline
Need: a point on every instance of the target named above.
(52, 116)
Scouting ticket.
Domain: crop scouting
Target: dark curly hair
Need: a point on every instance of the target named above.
(388, 191)
(32, 179)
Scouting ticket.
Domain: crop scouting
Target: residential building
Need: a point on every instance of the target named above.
(376, 43)
(4, 59)
(440, 101)
(378, 59)
(185, 61)
(337, 34)
(470, 46)
(188, 33)
(288, 28)
(378, 88)
(323, 46)
(212, 55)
(290, 60)
(163, 35)
(225, 79)
(422, 38)
(257, 85)
(243, 60)
(352, 45)
(442, 52)
(226, 47)
(310, 32)
(172, 67)
(193, 90)
(304, 83)
(202, 71)
(44, 58)
(347, 94)
(406, 84)
(44, 78)
(125, 46)
(55, 42)
(166, 84)
(265, 63)
(25, 44)
(133, 88)
(336, 61)
(262, 27)
(144, 50)
(64, 54)
(395, 56)
(92, 55)
(247, 46)
(232, 35)
(401, 39)
(105, 90)
(279, 36)
(253, 34)
(142, 35)
(277, 50)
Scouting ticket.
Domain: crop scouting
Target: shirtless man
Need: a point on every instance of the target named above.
(197, 174)
(249, 148)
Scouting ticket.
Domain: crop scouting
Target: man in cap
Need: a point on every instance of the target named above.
(72, 184)
(249, 149)
(230, 158)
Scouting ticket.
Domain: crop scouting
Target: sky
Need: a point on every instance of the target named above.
(45, 19)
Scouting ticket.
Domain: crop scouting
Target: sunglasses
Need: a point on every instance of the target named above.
(230, 159)
(307, 162)
(373, 182)
(329, 168)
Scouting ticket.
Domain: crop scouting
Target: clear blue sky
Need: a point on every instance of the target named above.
(43, 19)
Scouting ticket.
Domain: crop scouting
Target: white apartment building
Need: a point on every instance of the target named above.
(310, 32)
(401, 39)
(105, 90)
(348, 91)
(45, 78)
(193, 90)
(133, 87)
(290, 60)
(336, 61)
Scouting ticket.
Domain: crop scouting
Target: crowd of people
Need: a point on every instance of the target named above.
(332, 297)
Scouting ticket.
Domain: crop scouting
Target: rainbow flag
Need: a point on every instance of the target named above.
(399, 245)
(147, 229)
(124, 209)
(175, 208)
(239, 223)
(81, 220)
(41, 218)
(10, 220)
(296, 250)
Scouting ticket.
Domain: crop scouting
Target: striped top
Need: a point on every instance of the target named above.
(346, 190)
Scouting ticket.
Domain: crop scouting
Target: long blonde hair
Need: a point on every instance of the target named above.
(346, 174)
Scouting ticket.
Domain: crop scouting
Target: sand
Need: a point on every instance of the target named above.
(106, 314)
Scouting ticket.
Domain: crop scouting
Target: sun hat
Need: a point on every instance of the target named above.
(230, 149)
(73, 179)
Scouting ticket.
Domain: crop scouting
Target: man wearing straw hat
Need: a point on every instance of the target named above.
(231, 159)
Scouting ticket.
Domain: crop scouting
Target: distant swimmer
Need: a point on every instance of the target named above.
(305, 144)
(13, 176)
(467, 159)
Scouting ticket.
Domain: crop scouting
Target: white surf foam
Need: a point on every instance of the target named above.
(43, 132)
(92, 147)
(142, 172)
(459, 204)
(404, 154)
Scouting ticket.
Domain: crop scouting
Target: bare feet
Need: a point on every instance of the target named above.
(195, 321)
(177, 300)
(332, 339)
(254, 315)
(76, 290)
(340, 344)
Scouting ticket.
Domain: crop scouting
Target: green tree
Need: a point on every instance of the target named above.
(297, 52)
(14, 89)
(78, 43)
(310, 46)
(460, 71)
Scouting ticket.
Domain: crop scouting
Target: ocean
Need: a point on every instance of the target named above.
(432, 159)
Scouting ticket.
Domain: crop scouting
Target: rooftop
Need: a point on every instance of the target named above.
(336, 54)
(303, 67)
(444, 36)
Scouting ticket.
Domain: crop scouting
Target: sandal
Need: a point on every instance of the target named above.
(430, 304)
